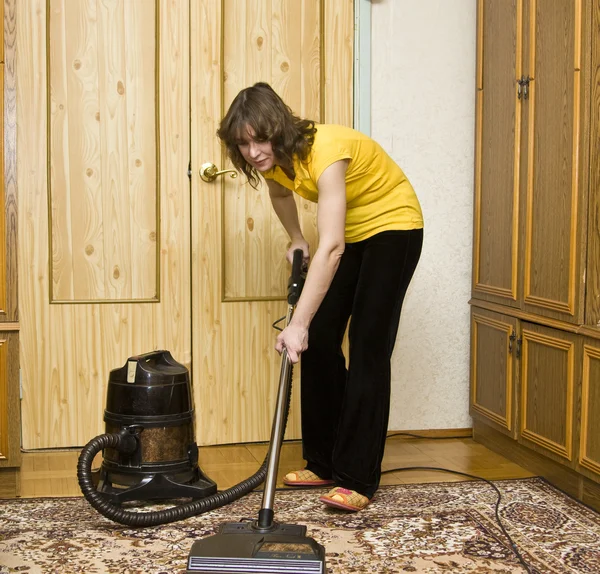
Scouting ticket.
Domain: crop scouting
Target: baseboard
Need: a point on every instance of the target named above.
(10, 483)
(563, 478)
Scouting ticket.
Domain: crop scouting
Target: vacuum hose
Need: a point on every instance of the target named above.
(125, 442)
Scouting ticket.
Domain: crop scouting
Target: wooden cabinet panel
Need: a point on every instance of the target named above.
(532, 152)
(10, 448)
(497, 164)
(589, 450)
(555, 113)
(8, 160)
(592, 300)
(493, 350)
(547, 387)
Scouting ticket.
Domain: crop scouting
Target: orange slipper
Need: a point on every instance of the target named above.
(305, 478)
(345, 499)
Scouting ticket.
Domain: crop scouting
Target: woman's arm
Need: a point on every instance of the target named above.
(283, 203)
(331, 223)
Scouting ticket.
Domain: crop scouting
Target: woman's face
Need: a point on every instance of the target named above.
(258, 154)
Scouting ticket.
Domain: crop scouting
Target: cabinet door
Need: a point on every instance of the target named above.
(554, 118)
(493, 350)
(592, 300)
(496, 228)
(10, 446)
(548, 372)
(589, 446)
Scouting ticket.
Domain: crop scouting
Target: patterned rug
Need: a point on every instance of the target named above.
(428, 528)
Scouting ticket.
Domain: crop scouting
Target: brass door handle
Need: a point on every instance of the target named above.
(209, 172)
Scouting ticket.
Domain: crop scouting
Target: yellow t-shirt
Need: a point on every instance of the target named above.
(379, 196)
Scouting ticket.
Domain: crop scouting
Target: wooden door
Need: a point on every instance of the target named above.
(239, 274)
(115, 259)
(104, 225)
(494, 351)
(497, 167)
(554, 148)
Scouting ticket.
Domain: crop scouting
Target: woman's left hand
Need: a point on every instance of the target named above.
(294, 339)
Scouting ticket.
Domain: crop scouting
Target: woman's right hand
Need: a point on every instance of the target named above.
(294, 339)
(299, 244)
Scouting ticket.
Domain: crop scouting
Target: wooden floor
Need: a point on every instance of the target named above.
(53, 473)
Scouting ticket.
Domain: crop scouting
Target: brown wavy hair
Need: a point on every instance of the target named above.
(260, 108)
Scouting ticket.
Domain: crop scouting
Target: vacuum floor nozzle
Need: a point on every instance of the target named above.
(241, 548)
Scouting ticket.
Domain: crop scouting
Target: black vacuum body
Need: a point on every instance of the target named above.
(150, 398)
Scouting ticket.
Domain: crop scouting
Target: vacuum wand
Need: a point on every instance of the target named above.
(265, 515)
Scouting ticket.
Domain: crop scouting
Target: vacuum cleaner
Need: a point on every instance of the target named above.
(148, 449)
(149, 453)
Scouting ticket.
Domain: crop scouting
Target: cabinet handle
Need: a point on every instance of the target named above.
(519, 342)
(511, 339)
(523, 87)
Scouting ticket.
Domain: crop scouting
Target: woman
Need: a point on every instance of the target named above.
(370, 230)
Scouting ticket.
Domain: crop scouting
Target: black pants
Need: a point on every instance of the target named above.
(345, 411)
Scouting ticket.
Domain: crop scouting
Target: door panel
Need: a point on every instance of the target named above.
(103, 139)
(104, 231)
(553, 278)
(239, 273)
(496, 243)
(277, 42)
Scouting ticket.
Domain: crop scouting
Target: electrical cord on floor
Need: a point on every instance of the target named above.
(413, 435)
(496, 506)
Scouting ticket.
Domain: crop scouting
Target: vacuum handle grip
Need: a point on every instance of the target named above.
(296, 281)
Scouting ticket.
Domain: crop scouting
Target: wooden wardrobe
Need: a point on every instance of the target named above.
(535, 307)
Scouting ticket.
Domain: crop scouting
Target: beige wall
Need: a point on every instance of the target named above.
(423, 113)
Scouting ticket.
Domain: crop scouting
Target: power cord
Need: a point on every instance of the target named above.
(413, 435)
(498, 501)
(496, 506)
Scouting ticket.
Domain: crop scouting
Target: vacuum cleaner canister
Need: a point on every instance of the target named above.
(151, 396)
